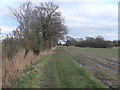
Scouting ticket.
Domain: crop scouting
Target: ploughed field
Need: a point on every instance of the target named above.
(102, 63)
(71, 67)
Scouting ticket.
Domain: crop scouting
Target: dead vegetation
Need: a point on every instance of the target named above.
(12, 68)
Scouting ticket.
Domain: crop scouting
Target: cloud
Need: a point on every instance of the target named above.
(2, 37)
(6, 30)
(93, 11)
(62, 1)
(108, 35)
(82, 17)
(91, 19)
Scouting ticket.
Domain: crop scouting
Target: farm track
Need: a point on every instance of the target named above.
(57, 70)
(104, 68)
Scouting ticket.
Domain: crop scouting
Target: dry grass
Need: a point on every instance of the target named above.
(0, 75)
(12, 68)
(0, 64)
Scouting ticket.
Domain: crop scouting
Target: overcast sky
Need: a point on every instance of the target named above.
(82, 17)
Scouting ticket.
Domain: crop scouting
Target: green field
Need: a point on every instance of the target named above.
(103, 51)
(58, 70)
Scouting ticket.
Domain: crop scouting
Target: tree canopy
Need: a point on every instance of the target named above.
(40, 26)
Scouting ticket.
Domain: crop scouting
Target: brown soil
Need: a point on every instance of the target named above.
(103, 68)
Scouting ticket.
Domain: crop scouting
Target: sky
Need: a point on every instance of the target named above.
(82, 17)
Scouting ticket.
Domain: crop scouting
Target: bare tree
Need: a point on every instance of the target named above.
(23, 15)
(40, 27)
(51, 23)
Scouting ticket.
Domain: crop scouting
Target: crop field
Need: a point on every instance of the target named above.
(110, 52)
(102, 63)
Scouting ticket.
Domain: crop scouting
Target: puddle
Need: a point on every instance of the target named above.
(106, 68)
(81, 65)
(102, 67)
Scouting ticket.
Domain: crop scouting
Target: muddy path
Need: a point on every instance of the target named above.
(103, 68)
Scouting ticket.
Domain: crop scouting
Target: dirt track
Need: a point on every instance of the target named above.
(104, 68)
